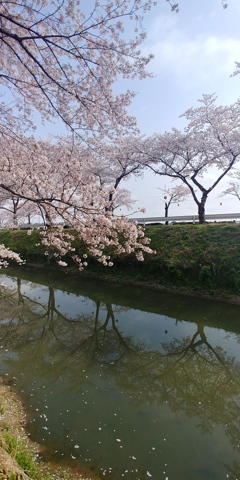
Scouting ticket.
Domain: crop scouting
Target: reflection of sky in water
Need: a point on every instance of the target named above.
(227, 341)
(32, 290)
(152, 328)
(131, 417)
(74, 305)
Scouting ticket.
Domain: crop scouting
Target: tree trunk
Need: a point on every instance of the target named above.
(110, 199)
(201, 208)
(166, 212)
(15, 221)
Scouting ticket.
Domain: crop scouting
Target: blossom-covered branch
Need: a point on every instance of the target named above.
(7, 254)
(62, 59)
(51, 176)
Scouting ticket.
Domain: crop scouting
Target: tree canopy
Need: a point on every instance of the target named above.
(210, 141)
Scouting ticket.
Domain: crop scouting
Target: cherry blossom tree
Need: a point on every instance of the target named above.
(62, 60)
(10, 205)
(234, 185)
(48, 175)
(173, 195)
(15, 209)
(208, 147)
(111, 164)
(232, 189)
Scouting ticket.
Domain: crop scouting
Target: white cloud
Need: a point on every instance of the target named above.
(188, 59)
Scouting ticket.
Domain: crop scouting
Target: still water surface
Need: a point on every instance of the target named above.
(127, 382)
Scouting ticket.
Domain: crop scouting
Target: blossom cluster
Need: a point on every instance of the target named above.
(6, 253)
(51, 177)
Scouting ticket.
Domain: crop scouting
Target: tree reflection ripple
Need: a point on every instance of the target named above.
(122, 391)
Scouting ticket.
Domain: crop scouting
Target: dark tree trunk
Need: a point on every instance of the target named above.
(201, 208)
(110, 199)
(166, 212)
(201, 213)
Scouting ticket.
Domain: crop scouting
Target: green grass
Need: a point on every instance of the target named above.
(199, 255)
(15, 448)
(20, 242)
(202, 258)
(2, 409)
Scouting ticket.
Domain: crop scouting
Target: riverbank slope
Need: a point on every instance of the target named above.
(199, 259)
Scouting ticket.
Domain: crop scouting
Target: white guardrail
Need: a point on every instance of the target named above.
(146, 220)
(186, 218)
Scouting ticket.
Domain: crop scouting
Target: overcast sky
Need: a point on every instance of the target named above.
(194, 53)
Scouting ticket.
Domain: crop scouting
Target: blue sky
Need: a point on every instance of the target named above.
(194, 53)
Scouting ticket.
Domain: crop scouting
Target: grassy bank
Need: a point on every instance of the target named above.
(198, 258)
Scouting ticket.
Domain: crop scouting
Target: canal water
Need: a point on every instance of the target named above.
(126, 382)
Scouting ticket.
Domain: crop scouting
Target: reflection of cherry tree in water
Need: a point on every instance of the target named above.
(25, 317)
(106, 343)
(42, 323)
(189, 373)
(192, 377)
(17, 314)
